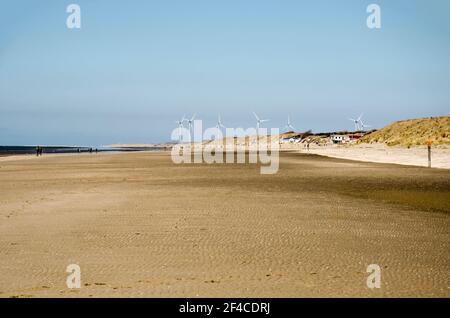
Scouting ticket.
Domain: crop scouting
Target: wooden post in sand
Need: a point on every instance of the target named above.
(429, 143)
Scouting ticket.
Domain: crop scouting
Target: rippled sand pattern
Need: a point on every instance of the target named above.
(139, 225)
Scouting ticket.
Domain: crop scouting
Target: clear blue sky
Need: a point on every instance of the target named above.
(137, 66)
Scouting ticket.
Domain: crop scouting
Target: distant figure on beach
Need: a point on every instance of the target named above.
(307, 146)
(96, 150)
(78, 150)
(90, 150)
(37, 151)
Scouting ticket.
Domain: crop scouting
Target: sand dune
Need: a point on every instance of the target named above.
(413, 132)
(139, 225)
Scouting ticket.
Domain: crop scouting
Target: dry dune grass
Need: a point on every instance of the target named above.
(414, 132)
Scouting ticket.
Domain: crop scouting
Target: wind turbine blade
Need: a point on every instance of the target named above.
(257, 118)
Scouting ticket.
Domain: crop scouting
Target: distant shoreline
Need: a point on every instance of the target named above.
(6, 158)
(31, 150)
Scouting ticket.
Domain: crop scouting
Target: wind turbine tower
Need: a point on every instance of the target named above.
(357, 122)
(259, 122)
(180, 128)
(289, 125)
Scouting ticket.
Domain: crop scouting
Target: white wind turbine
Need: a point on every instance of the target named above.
(362, 125)
(289, 125)
(190, 123)
(219, 124)
(357, 122)
(259, 122)
(180, 128)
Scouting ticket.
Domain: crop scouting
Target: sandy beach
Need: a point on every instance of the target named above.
(139, 225)
(414, 156)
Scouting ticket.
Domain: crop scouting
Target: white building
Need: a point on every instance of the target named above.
(289, 140)
(340, 139)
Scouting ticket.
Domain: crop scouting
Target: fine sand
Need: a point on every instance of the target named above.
(414, 156)
(138, 225)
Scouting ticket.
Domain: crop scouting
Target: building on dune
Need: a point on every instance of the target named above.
(345, 138)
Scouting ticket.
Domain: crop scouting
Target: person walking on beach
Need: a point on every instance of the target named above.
(38, 151)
